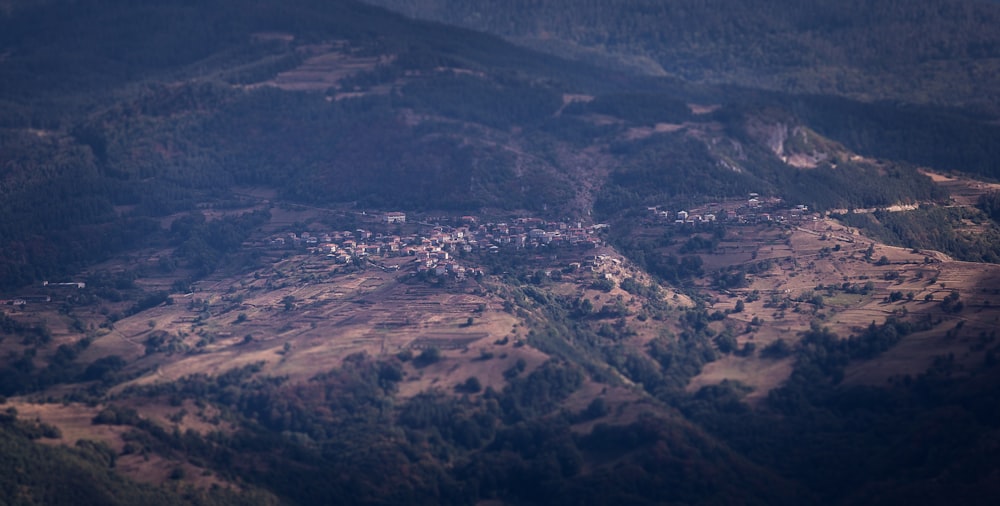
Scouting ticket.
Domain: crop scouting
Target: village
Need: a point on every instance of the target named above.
(433, 244)
(752, 211)
(436, 243)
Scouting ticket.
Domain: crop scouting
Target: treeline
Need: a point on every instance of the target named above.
(937, 228)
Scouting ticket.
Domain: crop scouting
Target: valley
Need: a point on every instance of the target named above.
(456, 303)
(315, 252)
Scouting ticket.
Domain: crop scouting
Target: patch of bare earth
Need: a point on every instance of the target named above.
(636, 133)
(701, 109)
(762, 375)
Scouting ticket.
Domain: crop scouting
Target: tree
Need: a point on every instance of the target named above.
(427, 357)
(470, 386)
(596, 409)
(777, 349)
(603, 284)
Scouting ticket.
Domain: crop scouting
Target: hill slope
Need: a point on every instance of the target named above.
(241, 315)
(117, 115)
(933, 51)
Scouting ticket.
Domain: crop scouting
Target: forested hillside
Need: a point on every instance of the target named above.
(115, 115)
(926, 51)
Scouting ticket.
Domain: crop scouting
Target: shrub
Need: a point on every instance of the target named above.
(427, 357)
(776, 350)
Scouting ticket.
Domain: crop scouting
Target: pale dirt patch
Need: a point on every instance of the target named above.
(570, 98)
(374, 90)
(803, 161)
(762, 375)
(636, 133)
(73, 420)
(602, 119)
(937, 177)
(701, 109)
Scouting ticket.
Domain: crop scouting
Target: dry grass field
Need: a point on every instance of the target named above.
(801, 266)
(963, 191)
(323, 67)
(336, 315)
(371, 312)
(74, 423)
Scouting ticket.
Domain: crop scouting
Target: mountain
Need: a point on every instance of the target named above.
(930, 52)
(316, 252)
(116, 115)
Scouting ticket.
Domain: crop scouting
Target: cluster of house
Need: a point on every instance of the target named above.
(25, 299)
(435, 247)
(73, 284)
(752, 211)
(523, 233)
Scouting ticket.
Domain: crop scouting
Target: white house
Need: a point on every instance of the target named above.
(394, 217)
